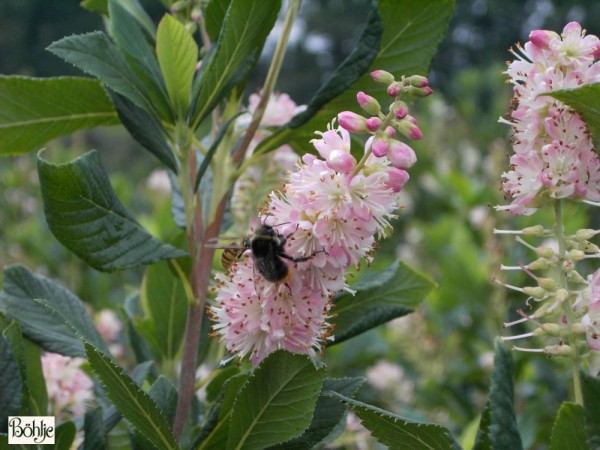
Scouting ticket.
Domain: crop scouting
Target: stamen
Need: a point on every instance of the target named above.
(518, 336)
(515, 322)
(529, 350)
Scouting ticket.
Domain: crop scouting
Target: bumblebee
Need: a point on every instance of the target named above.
(231, 255)
(268, 249)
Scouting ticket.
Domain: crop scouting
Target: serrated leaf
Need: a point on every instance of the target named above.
(65, 435)
(95, 54)
(276, 403)
(127, 33)
(133, 403)
(177, 54)
(482, 440)
(329, 412)
(591, 398)
(11, 387)
(411, 33)
(503, 430)
(245, 28)
(569, 428)
(219, 377)
(36, 110)
(93, 430)
(165, 396)
(21, 289)
(395, 292)
(397, 432)
(586, 101)
(85, 215)
(164, 302)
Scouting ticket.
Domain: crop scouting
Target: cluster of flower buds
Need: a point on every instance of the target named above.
(328, 215)
(576, 295)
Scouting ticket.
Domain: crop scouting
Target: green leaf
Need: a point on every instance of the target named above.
(127, 33)
(216, 436)
(245, 28)
(36, 110)
(133, 403)
(349, 71)
(591, 398)
(219, 377)
(48, 328)
(97, 6)
(165, 396)
(498, 424)
(483, 440)
(586, 101)
(211, 151)
(411, 33)
(394, 292)
(94, 430)
(96, 55)
(65, 435)
(276, 403)
(397, 432)
(329, 413)
(177, 56)
(164, 302)
(85, 215)
(569, 428)
(35, 397)
(146, 129)
(11, 387)
(214, 14)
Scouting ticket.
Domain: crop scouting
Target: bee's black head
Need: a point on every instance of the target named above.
(265, 230)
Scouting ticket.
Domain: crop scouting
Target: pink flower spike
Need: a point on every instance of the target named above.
(401, 155)
(373, 123)
(397, 178)
(382, 77)
(542, 38)
(341, 161)
(368, 103)
(380, 146)
(352, 122)
(394, 89)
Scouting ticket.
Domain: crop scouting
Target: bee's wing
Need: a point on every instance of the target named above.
(221, 245)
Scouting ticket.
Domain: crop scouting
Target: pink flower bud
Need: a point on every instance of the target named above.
(407, 128)
(368, 103)
(420, 91)
(390, 131)
(394, 89)
(373, 123)
(542, 38)
(352, 122)
(380, 146)
(401, 155)
(397, 178)
(418, 81)
(341, 161)
(400, 109)
(382, 77)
